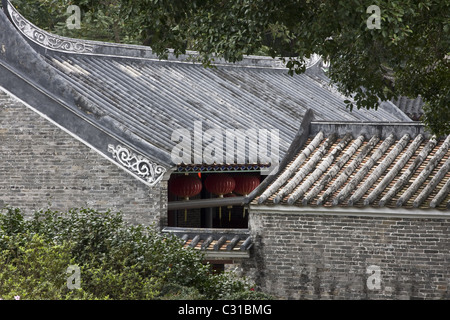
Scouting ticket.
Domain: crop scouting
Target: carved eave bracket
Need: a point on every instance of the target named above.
(45, 39)
(150, 172)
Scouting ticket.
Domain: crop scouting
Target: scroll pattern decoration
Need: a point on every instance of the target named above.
(150, 172)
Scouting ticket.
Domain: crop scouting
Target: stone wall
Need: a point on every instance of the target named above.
(299, 256)
(41, 166)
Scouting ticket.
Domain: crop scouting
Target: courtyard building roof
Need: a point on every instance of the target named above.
(354, 165)
(111, 95)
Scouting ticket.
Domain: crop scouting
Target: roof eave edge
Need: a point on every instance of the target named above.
(296, 145)
(351, 211)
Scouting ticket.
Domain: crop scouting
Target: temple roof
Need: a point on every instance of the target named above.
(115, 95)
(344, 164)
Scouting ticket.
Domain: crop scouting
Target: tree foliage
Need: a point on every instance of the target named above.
(408, 56)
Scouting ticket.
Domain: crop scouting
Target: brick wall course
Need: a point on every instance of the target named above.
(41, 166)
(298, 256)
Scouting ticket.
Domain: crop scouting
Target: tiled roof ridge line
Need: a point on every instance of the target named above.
(395, 170)
(379, 170)
(57, 43)
(424, 173)
(44, 86)
(383, 129)
(306, 169)
(349, 170)
(320, 169)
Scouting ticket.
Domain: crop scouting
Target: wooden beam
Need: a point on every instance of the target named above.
(205, 203)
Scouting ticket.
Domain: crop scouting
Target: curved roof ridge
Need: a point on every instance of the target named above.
(53, 42)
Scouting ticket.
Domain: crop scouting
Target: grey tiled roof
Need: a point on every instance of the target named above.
(366, 168)
(153, 99)
(125, 90)
(413, 108)
(215, 243)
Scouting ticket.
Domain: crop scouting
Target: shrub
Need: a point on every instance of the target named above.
(117, 260)
(31, 268)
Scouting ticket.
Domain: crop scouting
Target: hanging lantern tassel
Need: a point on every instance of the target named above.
(228, 195)
(220, 184)
(244, 185)
(185, 210)
(220, 213)
(220, 209)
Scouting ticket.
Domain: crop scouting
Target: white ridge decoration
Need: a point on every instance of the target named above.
(46, 39)
(150, 172)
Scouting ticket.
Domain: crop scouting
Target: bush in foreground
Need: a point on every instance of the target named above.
(116, 260)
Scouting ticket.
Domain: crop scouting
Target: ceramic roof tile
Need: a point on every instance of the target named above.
(379, 170)
(229, 243)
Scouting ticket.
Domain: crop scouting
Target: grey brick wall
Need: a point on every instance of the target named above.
(42, 166)
(298, 256)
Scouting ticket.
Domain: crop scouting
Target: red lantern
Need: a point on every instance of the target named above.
(220, 184)
(185, 186)
(245, 184)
